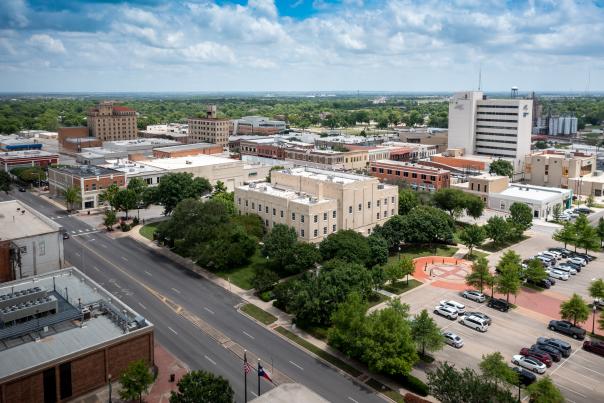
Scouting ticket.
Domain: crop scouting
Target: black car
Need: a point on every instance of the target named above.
(588, 258)
(562, 346)
(499, 304)
(551, 280)
(544, 349)
(525, 377)
(65, 235)
(573, 265)
(21, 189)
(583, 210)
(567, 328)
(545, 283)
(563, 251)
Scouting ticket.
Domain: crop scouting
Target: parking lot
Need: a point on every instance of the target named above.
(579, 377)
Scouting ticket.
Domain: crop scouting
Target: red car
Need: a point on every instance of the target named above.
(544, 358)
(596, 347)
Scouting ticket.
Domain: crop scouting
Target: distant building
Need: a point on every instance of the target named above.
(30, 158)
(589, 184)
(428, 136)
(187, 150)
(13, 142)
(257, 125)
(417, 176)
(30, 243)
(171, 131)
(318, 202)
(562, 125)
(109, 122)
(209, 129)
(90, 180)
(556, 167)
(63, 336)
(328, 159)
(122, 149)
(499, 128)
(73, 139)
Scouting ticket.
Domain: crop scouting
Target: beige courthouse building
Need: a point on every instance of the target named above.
(318, 202)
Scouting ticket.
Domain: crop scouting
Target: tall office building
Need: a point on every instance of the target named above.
(209, 129)
(499, 128)
(109, 122)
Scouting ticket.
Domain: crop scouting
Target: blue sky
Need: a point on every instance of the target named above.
(297, 45)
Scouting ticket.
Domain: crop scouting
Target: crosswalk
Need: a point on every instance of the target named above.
(84, 231)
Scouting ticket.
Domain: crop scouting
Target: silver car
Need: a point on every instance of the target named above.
(474, 295)
(529, 363)
(453, 340)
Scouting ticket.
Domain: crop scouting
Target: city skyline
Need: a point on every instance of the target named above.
(266, 45)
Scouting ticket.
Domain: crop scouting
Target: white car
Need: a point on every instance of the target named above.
(566, 269)
(529, 363)
(461, 308)
(551, 255)
(446, 311)
(475, 323)
(546, 260)
(557, 274)
(453, 340)
(474, 295)
(577, 260)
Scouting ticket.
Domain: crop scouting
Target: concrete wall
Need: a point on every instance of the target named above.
(462, 112)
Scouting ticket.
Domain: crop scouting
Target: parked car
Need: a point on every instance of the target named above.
(481, 315)
(575, 266)
(499, 304)
(551, 255)
(551, 280)
(65, 235)
(557, 274)
(446, 311)
(21, 189)
(566, 269)
(583, 210)
(584, 256)
(474, 322)
(599, 303)
(547, 262)
(563, 251)
(461, 308)
(453, 340)
(562, 346)
(596, 347)
(474, 295)
(525, 377)
(567, 328)
(553, 352)
(577, 260)
(545, 283)
(543, 357)
(529, 363)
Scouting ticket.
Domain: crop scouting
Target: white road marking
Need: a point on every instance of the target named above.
(148, 273)
(589, 369)
(80, 231)
(173, 331)
(175, 290)
(253, 393)
(572, 390)
(125, 258)
(76, 253)
(96, 268)
(104, 246)
(209, 359)
(248, 335)
(351, 399)
(73, 232)
(563, 362)
(296, 365)
(142, 306)
(209, 310)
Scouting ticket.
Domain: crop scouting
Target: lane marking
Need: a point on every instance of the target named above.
(209, 359)
(103, 245)
(248, 335)
(209, 310)
(296, 365)
(142, 306)
(73, 232)
(572, 390)
(76, 253)
(80, 231)
(96, 268)
(148, 273)
(175, 290)
(253, 393)
(173, 331)
(125, 258)
(351, 399)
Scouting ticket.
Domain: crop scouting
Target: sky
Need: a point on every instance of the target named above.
(301, 45)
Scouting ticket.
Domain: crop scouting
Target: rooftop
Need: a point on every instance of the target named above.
(17, 220)
(182, 147)
(130, 167)
(327, 176)
(188, 162)
(26, 154)
(404, 164)
(539, 193)
(291, 393)
(88, 171)
(487, 176)
(118, 144)
(283, 193)
(73, 297)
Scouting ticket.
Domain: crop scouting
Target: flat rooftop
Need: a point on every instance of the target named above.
(130, 167)
(188, 162)
(18, 220)
(404, 164)
(62, 333)
(88, 171)
(26, 154)
(598, 178)
(283, 193)
(327, 176)
(120, 144)
(539, 193)
(194, 146)
(487, 176)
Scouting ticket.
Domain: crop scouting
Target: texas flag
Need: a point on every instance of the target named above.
(263, 373)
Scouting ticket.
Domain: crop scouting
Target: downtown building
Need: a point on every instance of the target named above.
(209, 129)
(318, 202)
(109, 122)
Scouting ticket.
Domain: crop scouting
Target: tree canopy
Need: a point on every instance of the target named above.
(575, 309)
(202, 387)
(175, 187)
(502, 168)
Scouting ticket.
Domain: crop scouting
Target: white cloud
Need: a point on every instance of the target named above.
(140, 17)
(209, 52)
(46, 43)
(264, 7)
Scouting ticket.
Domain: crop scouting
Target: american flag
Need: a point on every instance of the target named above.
(246, 365)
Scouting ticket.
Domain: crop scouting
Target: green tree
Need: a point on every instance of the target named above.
(544, 391)
(586, 235)
(407, 200)
(575, 309)
(347, 245)
(110, 219)
(480, 274)
(226, 198)
(557, 212)
(220, 187)
(427, 225)
(600, 230)
(5, 182)
(175, 187)
(596, 289)
(349, 326)
(264, 279)
(72, 197)
(230, 247)
(109, 194)
(508, 280)
(278, 244)
(535, 272)
(393, 231)
(303, 256)
(494, 367)
(202, 387)
(566, 234)
(590, 201)
(407, 267)
(393, 271)
(502, 168)
(472, 236)
(521, 217)
(125, 200)
(426, 333)
(275, 168)
(498, 229)
(474, 206)
(509, 257)
(378, 250)
(451, 200)
(135, 380)
(138, 186)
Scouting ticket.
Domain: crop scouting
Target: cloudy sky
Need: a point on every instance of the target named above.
(300, 45)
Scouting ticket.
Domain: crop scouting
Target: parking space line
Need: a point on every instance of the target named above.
(571, 390)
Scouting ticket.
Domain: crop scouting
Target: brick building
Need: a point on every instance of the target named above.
(90, 180)
(109, 122)
(417, 176)
(63, 335)
(187, 150)
(29, 158)
(209, 129)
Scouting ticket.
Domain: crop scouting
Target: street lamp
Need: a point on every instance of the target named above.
(593, 319)
(399, 252)
(109, 380)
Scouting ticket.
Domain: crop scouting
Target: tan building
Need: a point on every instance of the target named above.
(482, 185)
(209, 129)
(109, 122)
(317, 202)
(590, 184)
(555, 168)
(328, 159)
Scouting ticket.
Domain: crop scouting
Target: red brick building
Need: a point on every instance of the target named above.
(417, 176)
(187, 150)
(28, 158)
(73, 139)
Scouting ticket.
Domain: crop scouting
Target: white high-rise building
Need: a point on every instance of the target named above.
(499, 128)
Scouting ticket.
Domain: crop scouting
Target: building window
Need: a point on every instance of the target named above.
(301, 217)
(378, 203)
(414, 175)
(381, 170)
(266, 222)
(302, 233)
(385, 200)
(398, 173)
(281, 213)
(324, 216)
(385, 213)
(260, 207)
(360, 206)
(432, 178)
(41, 248)
(349, 209)
(293, 216)
(333, 228)
(274, 211)
(392, 199)
(239, 201)
(316, 233)
(253, 205)
(392, 212)
(369, 205)
(471, 186)
(324, 230)
(406, 174)
(478, 186)
(266, 209)
(378, 215)
(389, 171)
(316, 218)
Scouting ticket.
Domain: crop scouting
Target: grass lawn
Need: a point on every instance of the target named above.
(319, 332)
(258, 314)
(242, 276)
(321, 353)
(414, 251)
(493, 247)
(401, 286)
(476, 254)
(148, 230)
(376, 298)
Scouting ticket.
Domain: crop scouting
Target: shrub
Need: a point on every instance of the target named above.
(413, 384)
(135, 221)
(266, 296)
(411, 398)
(124, 227)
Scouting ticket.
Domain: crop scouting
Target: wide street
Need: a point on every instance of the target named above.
(180, 304)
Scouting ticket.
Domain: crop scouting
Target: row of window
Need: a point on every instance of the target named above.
(496, 141)
(496, 127)
(498, 134)
(492, 154)
(316, 231)
(498, 106)
(405, 173)
(497, 148)
(497, 120)
(498, 113)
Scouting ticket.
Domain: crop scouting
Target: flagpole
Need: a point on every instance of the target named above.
(245, 375)
(258, 376)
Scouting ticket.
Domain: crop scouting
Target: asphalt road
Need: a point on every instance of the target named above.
(137, 274)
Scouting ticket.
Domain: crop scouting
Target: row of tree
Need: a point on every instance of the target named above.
(581, 234)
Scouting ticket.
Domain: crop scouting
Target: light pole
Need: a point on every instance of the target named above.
(399, 252)
(109, 381)
(593, 319)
